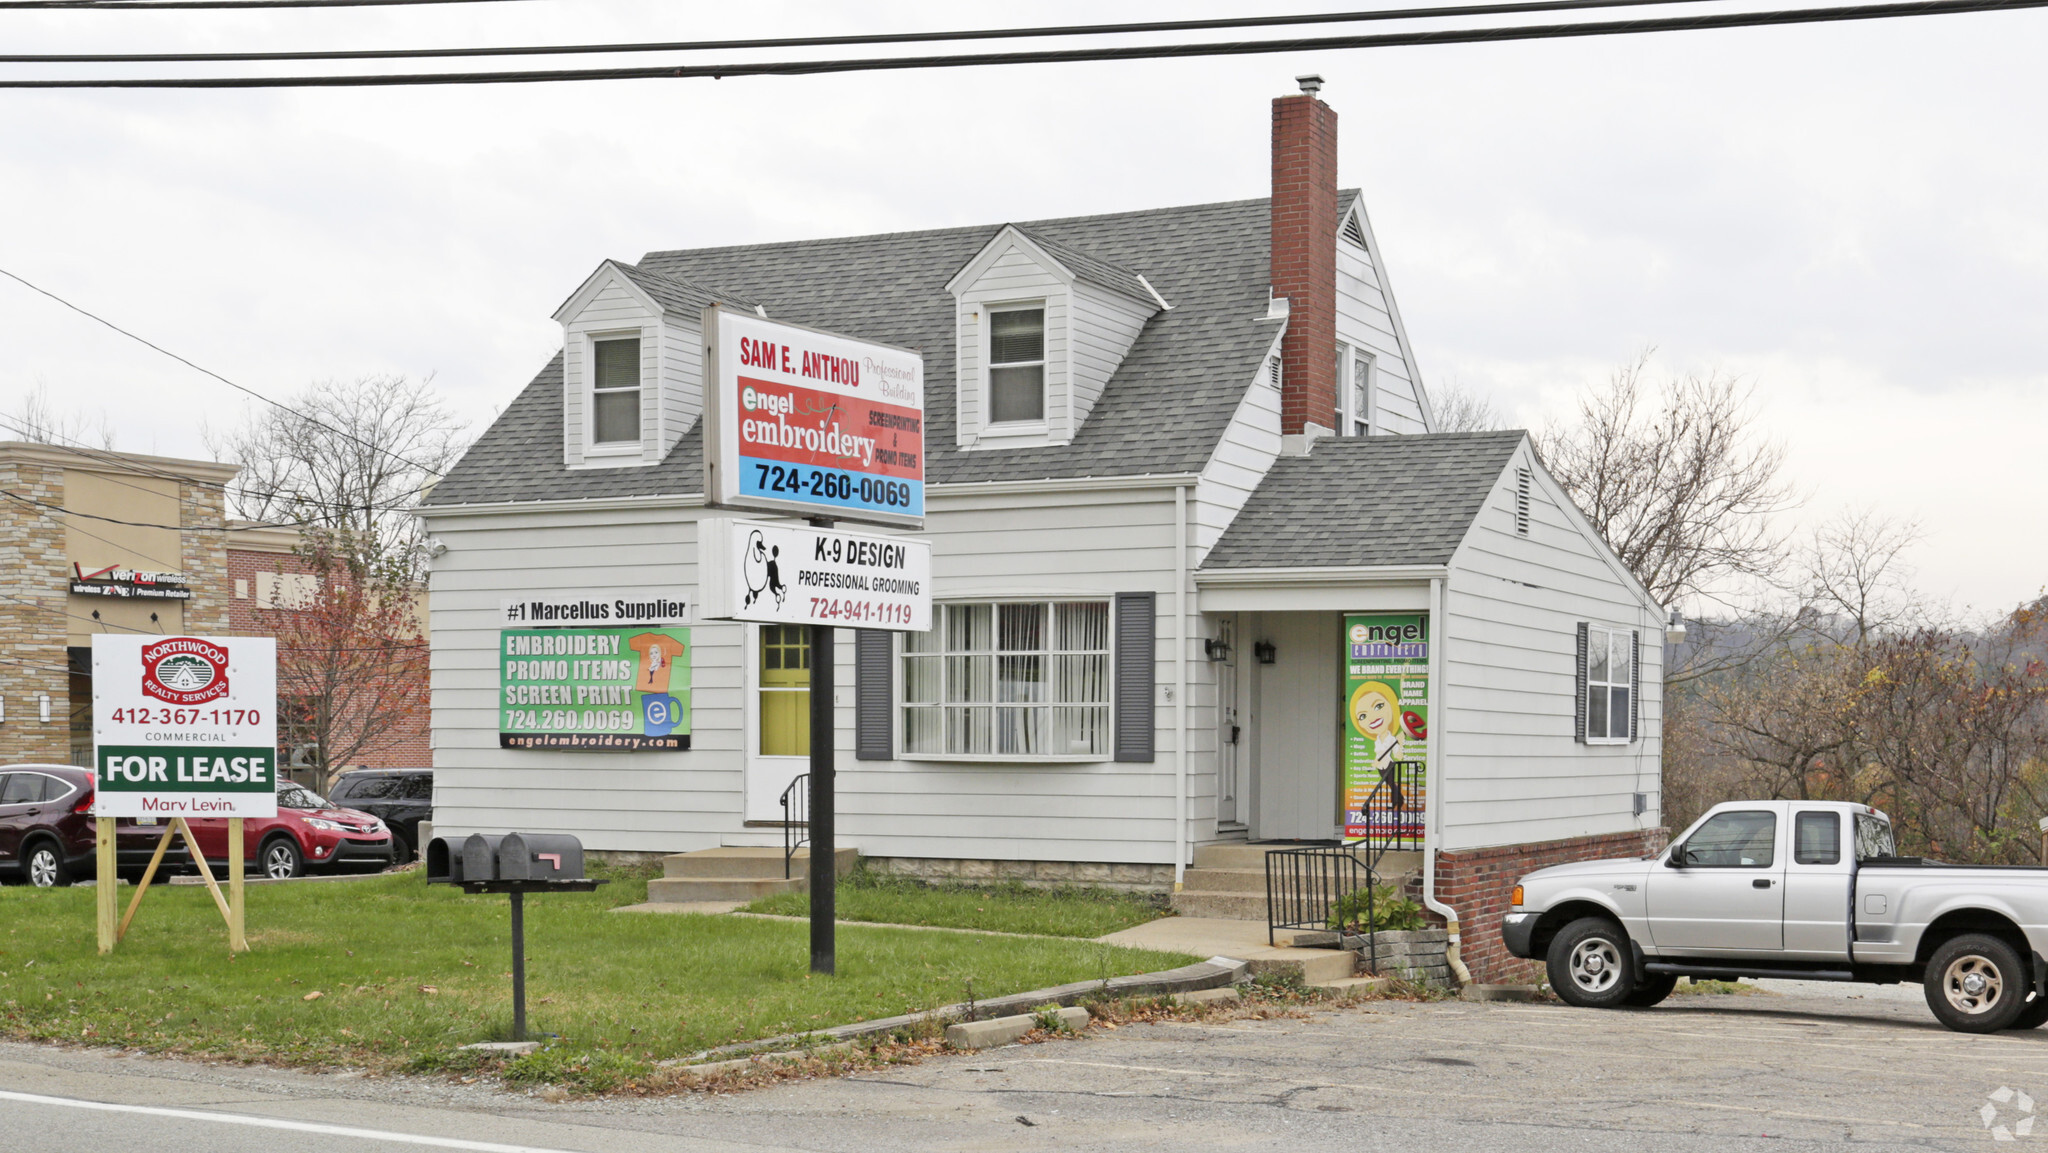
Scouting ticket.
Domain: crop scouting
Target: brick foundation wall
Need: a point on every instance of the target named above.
(1477, 882)
(1036, 874)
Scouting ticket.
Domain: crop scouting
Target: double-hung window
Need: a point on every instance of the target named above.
(1016, 365)
(1357, 389)
(1609, 679)
(615, 391)
(1009, 679)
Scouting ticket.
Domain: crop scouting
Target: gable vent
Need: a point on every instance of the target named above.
(1354, 231)
(1522, 483)
(1273, 372)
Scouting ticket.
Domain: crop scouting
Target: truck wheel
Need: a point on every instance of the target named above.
(2033, 1015)
(1976, 984)
(1589, 964)
(1652, 989)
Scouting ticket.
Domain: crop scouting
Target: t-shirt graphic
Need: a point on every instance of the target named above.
(658, 655)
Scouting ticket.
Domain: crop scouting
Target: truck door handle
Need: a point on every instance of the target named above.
(1760, 883)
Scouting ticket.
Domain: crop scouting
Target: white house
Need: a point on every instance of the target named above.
(1169, 452)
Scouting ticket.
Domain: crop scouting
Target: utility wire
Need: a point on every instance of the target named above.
(279, 405)
(119, 5)
(1692, 23)
(1503, 7)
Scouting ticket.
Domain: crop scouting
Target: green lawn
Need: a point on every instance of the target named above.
(406, 973)
(1004, 908)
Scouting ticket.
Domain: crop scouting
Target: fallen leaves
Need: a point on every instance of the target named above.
(429, 990)
(315, 995)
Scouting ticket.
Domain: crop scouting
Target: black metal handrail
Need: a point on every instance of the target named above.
(1305, 886)
(796, 819)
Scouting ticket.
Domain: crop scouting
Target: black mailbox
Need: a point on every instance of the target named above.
(480, 857)
(540, 857)
(444, 861)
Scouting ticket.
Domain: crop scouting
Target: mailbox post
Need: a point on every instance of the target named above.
(515, 864)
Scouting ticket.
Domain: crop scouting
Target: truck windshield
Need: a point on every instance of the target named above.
(1874, 837)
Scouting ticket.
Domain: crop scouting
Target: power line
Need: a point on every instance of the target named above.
(279, 405)
(1504, 7)
(1692, 23)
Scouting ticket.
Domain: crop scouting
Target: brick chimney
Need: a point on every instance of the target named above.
(1304, 258)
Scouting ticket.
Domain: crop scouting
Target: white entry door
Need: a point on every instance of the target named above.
(1297, 715)
(778, 716)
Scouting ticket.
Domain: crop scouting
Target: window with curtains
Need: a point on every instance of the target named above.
(1009, 679)
(615, 391)
(1016, 364)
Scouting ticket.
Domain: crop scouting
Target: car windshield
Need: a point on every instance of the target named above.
(299, 797)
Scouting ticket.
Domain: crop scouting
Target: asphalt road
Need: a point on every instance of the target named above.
(1814, 1067)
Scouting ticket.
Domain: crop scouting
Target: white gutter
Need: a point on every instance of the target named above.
(1180, 685)
(1432, 795)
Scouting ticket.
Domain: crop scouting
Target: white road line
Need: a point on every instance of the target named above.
(275, 1123)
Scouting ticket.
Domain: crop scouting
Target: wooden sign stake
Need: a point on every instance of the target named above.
(112, 932)
(108, 900)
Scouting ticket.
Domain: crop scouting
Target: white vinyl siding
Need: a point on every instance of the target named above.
(1059, 545)
(1105, 327)
(671, 371)
(1250, 444)
(1514, 771)
(1368, 320)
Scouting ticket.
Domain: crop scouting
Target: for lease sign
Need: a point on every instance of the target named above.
(812, 423)
(184, 726)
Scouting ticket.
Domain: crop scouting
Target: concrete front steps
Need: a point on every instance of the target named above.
(735, 874)
(1228, 879)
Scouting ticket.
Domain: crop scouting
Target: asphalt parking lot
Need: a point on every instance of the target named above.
(1814, 1067)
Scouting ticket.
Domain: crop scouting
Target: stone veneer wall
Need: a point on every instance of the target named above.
(1036, 874)
(35, 595)
(1477, 883)
(202, 548)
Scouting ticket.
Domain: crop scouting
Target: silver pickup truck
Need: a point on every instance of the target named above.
(1811, 890)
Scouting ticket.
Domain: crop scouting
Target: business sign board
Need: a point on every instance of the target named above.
(557, 607)
(594, 689)
(1386, 725)
(121, 581)
(799, 575)
(184, 726)
(811, 423)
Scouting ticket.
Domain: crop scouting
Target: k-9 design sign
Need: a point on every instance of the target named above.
(797, 575)
(811, 423)
(184, 726)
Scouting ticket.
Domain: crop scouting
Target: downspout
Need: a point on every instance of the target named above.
(1180, 684)
(1433, 814)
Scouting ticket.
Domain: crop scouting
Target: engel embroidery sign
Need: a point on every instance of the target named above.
(184, 726)
(812, 423)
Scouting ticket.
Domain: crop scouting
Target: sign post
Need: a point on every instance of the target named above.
(826, 427)
(182, 727)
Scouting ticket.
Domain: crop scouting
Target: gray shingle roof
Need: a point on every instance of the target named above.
(1162, 412)
(1091, 270)
(1379, 500)
(677, 293)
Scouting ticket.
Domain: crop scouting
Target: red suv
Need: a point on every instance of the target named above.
(307, 833)
(46, 832)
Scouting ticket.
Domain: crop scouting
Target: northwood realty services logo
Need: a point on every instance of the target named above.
(185, 671)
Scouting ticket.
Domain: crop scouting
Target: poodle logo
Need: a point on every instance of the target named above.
(1994, 1107)
(763, 570)
(185, 671)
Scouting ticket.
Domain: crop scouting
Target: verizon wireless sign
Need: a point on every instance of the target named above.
(184, 726)
(798, 575)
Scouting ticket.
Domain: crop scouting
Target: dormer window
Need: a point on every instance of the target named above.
(615, 391)
(1016, 365)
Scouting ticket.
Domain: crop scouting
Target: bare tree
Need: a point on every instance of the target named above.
(350, 458)
(1459, 409)
(37, 420)
(1675, 478)
(1856, 575)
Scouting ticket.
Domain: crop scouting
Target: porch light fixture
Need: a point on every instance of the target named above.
(1216, 649)
(1266, 653)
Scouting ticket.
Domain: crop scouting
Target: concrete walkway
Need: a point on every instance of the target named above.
(1219, 937)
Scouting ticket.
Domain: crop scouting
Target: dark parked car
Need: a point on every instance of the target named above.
(46, 830)
(401, 797)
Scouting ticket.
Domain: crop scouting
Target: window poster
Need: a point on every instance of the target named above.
(1386, 726)
(606, 689)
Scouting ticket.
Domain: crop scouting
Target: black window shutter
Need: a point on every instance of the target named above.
(1579, 694)
(1635, 685)
(874, 695)
(1137, 624)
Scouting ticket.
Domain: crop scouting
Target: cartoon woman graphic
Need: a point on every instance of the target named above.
(1376, 715)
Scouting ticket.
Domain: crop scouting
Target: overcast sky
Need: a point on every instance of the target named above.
(1854, 217)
